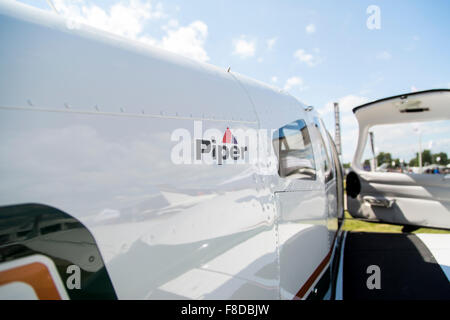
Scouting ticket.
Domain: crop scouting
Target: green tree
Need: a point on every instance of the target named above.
(443, 158)
(426, 157)
(414, 162)
(383, 157)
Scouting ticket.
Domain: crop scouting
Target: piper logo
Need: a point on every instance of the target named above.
(220, 152)
(241, 145)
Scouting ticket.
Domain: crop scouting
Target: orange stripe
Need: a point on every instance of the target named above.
(312, 278)
(37, 276)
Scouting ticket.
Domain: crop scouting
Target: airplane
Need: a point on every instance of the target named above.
(129, 172)
(152, 176)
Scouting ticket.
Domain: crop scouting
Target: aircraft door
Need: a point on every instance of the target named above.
(303, 237)
(400, 198)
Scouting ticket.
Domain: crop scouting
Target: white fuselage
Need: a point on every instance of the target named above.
(87, 124)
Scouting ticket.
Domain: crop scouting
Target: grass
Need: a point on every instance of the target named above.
(351, 224)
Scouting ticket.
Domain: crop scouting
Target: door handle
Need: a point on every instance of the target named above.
(378, 202)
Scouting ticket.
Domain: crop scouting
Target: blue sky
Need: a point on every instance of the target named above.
(320, 51)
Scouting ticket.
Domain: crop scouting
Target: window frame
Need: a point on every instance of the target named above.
(324, 144)
(302, 125)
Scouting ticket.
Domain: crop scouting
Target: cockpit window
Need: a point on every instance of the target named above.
(292, 145)
(325, 150)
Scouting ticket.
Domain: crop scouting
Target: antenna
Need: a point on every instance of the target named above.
(51, 5)
(337, 128)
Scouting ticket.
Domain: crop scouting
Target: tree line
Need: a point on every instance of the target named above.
(428, 158)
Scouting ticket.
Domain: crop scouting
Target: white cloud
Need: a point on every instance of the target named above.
(260, 59)
(274, 79)
(124, 19)
(346, 106)
(188, 41)
(309, 59)
(349, 124)
(293, 82)
(384, 55)
(271, 42)
(244, 48)
(399, 139)
(412, 43)
(310, 28)
(348, 103)
(402, 140)
(443, 144)
(128, 19)
(172, 23)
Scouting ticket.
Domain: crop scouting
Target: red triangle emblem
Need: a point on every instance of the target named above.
(228, 137)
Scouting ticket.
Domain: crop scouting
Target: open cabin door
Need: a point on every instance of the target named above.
(405, 197)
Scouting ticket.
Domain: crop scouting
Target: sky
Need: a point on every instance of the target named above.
(321, 52)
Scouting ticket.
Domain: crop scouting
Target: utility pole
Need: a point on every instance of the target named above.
(374, 158)
(417, 129)
(420, 152)
(337, 129)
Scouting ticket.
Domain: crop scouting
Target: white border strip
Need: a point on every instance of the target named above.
(339, 295)
(45, 261)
